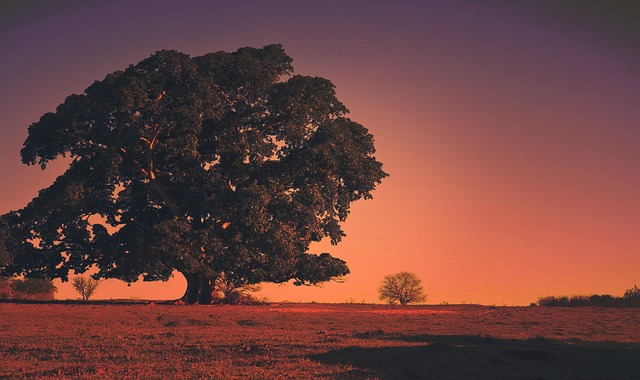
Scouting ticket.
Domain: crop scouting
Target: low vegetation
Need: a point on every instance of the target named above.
(228, 290)
(316, 341)
(33, 289)
(631, 298)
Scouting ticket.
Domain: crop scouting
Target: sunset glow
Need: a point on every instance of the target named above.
(510, 132)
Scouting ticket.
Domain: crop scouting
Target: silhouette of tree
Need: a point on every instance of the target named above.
(402, 287)
(86, 287)
(223, 163)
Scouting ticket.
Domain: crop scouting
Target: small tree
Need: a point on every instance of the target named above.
(402, 287)
(86, 287)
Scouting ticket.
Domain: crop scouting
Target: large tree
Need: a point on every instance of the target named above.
(224, 163)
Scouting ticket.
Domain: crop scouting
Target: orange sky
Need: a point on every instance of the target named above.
(510, 131)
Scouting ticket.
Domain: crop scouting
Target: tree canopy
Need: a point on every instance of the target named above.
(224, 163)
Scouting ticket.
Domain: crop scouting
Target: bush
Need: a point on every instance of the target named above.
(5, 289)
(228, 290)
(604, 300)
(631, 298)
(553, 301)
(35, 289)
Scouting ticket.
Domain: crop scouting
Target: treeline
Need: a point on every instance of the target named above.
(631, 298)
(33, 289)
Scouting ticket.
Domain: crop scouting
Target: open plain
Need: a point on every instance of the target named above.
(309, 341)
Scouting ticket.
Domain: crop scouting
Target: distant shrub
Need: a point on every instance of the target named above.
(631, 298)
(5, 288)
(579, 301)
(553, 301)
(35, 289)
(632, 292)
(604, 300)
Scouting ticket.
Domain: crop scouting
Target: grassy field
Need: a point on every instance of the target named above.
(309, 341)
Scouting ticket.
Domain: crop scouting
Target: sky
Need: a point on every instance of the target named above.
(510, 130)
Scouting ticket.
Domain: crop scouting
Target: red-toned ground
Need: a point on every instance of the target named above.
(98, 341)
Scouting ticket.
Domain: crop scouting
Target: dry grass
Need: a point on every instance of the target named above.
(317, 341)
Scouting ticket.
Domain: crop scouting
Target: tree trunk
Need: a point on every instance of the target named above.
(199, 289)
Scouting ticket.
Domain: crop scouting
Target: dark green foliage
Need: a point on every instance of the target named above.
(208, 165)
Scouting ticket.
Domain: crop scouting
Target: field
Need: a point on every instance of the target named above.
(309, 341)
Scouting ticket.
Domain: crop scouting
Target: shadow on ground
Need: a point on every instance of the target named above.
(475, 357)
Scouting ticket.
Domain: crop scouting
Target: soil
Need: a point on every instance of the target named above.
(315, 341)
